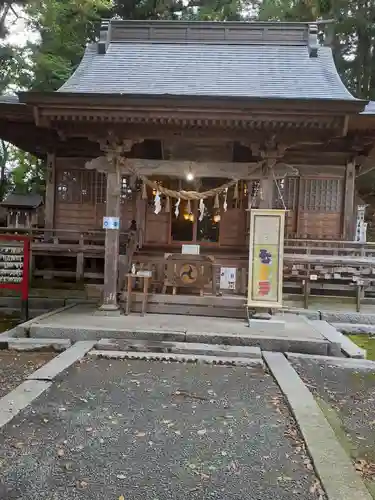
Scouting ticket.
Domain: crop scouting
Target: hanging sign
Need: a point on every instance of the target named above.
(228, 278)
(14, 267)
(111, 223)
(266, 258)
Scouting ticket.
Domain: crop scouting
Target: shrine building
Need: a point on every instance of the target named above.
(176, 130)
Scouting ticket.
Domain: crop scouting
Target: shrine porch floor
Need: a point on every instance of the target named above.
(82, 322)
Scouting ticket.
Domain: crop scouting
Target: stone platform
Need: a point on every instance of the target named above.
(81, 322)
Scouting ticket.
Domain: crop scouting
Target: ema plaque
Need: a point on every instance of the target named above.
(14, 267)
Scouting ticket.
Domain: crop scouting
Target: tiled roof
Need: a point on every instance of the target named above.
(9, 99)
(253, 61)
(369, 109)
(22, 201)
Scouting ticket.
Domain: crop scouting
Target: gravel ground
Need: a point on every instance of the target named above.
(347, 397)
(137, 430)
(15, 367)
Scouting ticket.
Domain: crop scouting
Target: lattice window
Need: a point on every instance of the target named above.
(100, 187)
(321, 195)
(87, 186)
(75, 186)
(285, 193)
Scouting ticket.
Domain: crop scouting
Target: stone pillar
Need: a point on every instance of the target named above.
(49, 205)
(112, 238)
(349, 209)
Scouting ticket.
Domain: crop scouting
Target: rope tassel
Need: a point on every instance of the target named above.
(217, 203)
(177, 208)
(225, 204)
(201, 209)
(157, 203)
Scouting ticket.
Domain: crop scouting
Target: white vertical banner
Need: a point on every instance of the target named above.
(266, 253)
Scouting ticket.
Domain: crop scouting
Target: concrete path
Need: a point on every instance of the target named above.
(85, 317)
(332, 463)
(111, 429)
(83, 323)
(346, 393)
(16, 367)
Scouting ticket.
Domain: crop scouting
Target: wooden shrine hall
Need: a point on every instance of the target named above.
(176, 130)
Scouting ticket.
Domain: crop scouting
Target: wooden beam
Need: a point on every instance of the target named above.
(348, 215)
(179, 168)
(138, 131)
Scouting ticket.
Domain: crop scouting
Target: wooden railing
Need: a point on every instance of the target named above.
(64, 236)
(329, 247)
(338, 265)
(291, 245)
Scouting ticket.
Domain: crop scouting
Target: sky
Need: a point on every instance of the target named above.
(19, 32)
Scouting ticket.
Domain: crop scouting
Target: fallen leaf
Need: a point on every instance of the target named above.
(81, 484)
(284, 478)
(121, 497)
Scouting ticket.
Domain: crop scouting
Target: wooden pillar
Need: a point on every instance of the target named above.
(49, 205)
(266, 186)
(349, 209)
(141, 208)
(111, 256)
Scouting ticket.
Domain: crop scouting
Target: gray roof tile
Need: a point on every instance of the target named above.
(369, 109)
(9, 99)
(31, 200)
(259, 70)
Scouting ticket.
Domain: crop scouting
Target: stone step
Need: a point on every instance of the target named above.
(179, 358)
(27, 344)
(177, 348)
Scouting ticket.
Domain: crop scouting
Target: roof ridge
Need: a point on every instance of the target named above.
(205, 32)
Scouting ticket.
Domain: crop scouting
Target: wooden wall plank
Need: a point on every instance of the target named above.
(233, 227)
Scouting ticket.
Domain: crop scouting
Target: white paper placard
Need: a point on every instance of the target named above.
(190, 249)
(228, 278)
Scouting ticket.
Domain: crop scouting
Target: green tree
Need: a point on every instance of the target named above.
(65, 27)
(215, 10)
(4, 159)
(354, 35)
(8, 14)
(27, 173)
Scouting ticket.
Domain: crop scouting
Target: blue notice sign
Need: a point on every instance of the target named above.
(111, 223)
